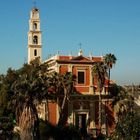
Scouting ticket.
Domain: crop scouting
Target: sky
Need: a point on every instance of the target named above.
(101, 26)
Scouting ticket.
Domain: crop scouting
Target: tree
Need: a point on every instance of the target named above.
(63, 86)
(99, 71)
(23, 89)
(109, 60)
(127, 118)
(6, 113)
(30, 88)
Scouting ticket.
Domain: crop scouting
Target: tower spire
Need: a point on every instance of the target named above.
(34, 36)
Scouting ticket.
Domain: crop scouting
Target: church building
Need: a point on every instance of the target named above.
(83, 109)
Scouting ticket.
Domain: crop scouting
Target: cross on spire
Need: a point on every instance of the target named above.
(80, 44)
(80, 50)
(34, 3)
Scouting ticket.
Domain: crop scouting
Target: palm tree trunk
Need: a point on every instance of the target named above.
(100, 112)
(29, 123)
(61, 121)
(107, 102)
(109, 81)
(47, 110)
(36, 124)
(64, 102)
(25, 124)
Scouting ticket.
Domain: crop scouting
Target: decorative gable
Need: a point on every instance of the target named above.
(81, 59)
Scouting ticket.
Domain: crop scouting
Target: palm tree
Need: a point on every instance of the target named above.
(29, 88)
(63, 87)
(109, 60)
(99, 71)
(26, 87)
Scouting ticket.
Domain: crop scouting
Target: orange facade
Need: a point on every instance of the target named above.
(83, 108)
(52, 113)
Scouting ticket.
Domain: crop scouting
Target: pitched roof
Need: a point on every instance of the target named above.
(78, 59)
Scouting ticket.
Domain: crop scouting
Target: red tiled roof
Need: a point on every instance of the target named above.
(79, 59)
(97, 59)
(64, 57)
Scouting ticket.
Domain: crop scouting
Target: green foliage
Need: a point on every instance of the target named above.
(127, 127)
(109, 60)
(6, 127)
(22, 89)
(43, 127)
(58, 133)
(62, 86)
(128, 122)
(99, 71)
(6, 113)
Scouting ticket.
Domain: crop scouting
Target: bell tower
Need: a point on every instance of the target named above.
(34, 36)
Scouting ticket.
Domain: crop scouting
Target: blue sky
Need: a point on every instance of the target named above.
(102, 26)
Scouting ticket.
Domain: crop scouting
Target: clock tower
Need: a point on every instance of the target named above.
(34, 36)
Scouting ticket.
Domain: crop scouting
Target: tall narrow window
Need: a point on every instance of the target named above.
(35, 52)
(34, 26)
(81, 77)
(35, 40)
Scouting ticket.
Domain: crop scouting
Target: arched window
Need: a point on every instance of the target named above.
(35, 40)
(35, 52)
(34, 26)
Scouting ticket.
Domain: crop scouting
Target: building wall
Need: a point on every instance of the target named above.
(63, 69)
(81, 88)
(86, 105)
(52, 111)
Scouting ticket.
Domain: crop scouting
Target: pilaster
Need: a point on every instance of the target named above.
(91, 81)
(92, 115)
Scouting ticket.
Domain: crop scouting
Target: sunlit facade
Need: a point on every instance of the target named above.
(83, 108)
